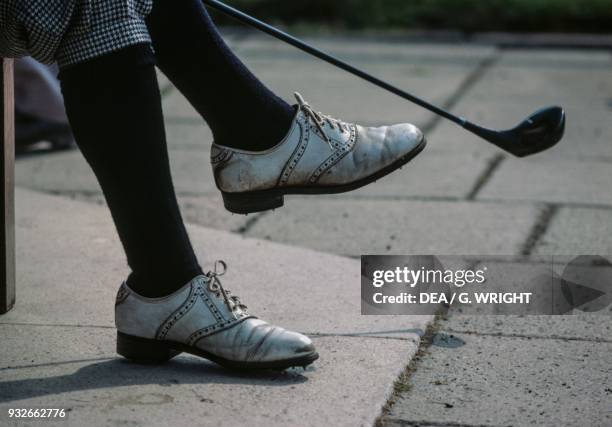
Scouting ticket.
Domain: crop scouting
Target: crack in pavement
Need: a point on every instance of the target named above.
(63, 362)
(56, 325)
(417, 332)
(528, 336)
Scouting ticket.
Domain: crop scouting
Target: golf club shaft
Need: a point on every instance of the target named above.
(288, 38)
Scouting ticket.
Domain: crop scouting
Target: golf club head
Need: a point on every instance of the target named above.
(539, 132)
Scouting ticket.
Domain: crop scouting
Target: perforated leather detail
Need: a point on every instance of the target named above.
(341, 151)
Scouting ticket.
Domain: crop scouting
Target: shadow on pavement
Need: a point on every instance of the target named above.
(112, 373)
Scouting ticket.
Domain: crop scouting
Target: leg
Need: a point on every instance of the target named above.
(191, 52)
(167, 306)
(114, 107)
(314, 153)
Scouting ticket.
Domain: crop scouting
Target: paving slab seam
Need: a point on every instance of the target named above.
(488, 200)
(528, 336)
(580, 205)
(466, 85)
(539, 229)
(357, 197)
(402, 383)
(485, 176)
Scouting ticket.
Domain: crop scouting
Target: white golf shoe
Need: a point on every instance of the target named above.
(319, 155)
(204, 319)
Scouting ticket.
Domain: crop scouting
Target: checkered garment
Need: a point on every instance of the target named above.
(71, 31)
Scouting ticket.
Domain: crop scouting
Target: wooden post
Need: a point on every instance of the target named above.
(7, 194)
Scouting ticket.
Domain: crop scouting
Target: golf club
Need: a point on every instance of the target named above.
(538, 132)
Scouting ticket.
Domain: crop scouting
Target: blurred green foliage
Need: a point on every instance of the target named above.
(463, 15)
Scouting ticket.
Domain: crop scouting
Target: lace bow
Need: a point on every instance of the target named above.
(319, 119)
(215, 286)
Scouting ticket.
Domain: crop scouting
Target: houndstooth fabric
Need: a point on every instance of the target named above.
(71, 31)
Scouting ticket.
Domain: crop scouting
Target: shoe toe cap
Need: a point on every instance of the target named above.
(301, 344)
(403, 138)
(268, 343)
(287, 345)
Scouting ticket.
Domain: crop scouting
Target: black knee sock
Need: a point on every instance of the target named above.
(114, 107)
(239, 109)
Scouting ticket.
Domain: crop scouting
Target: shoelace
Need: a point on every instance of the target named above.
(214, 285)
(320, 119)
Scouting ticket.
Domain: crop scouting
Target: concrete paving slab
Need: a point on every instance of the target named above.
(207, 211)
(551, 180)
(356, 101)
(76, 369)
(518, 82)
(50, 347)
(548, 78)
(576, 231)
(372, 49)
(356, 227)
(556, 58)
(70, 262)
(579, 325)
(587, 137)
(317, 81)
(195, 136)
(163, 82)
(65, 171)
(178, 110)
(522, 81)
(431, 174)
(68, 172)
(192, 173)
(571, 327)
(544, 383)
(431, 72)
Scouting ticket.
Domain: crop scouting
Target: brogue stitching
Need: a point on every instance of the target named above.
(178, 314)
(297, 155)
(336, 156)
